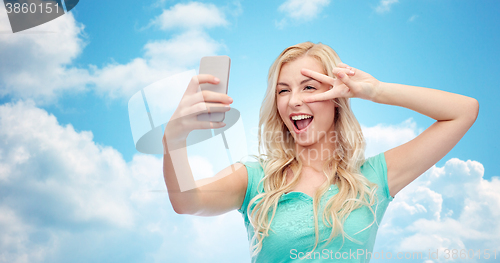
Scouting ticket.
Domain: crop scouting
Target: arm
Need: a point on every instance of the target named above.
(210, 196)
(454, 115)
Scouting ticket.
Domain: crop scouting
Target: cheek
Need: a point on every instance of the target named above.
(323, 111)
(281, 105)
(322, 106)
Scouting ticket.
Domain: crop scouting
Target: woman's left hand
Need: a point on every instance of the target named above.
(349, 83)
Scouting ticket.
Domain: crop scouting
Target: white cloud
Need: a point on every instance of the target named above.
(61, 192)
(381, 138)
(162, 58)
(449, 207)
(35, 63)
(303, 10)
(32, 68)
(385, 6)
(412, 18)
(192, 15)
(298, 10)
(56, 179)
(183, 50)
(34, 144)
(14, 237)
(215, 234)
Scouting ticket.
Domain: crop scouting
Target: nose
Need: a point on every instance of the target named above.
(295, 100)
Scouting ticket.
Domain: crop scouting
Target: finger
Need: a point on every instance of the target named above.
(194, 84)
(348, 71)
(317, 76)
(203, 107)
(208, 96)
(212, 96)
(216, 107)
(207, 78)
(352, 71)
(340, 90)
(346, 80)
(328, 95)
(343, 65)
(209, 125)
(197, 125)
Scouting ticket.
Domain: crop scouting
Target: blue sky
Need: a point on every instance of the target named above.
(74, 188)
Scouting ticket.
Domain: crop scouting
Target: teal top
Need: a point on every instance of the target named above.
(292, 229)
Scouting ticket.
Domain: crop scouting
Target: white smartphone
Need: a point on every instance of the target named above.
(218, 66)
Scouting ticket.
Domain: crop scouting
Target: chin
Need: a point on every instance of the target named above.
(305, 139)
(304, 143)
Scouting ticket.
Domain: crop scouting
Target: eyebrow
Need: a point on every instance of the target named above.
(302, 82)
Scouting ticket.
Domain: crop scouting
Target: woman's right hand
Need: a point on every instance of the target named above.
(209, 196)
(195, 102)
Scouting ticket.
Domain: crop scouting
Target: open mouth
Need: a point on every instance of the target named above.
(301, 122)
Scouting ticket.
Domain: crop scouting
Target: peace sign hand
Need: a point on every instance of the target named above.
(348, 83)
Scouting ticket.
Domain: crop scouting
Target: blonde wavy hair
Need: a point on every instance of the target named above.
(277, 154)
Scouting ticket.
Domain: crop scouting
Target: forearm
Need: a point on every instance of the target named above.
(177, 173)
(437, 104)
(206, 197)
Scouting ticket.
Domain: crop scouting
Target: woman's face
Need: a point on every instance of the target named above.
(309, 123)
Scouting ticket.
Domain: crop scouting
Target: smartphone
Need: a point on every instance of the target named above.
(218, 66)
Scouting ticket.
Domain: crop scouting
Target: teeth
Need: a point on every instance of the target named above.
(301, 117)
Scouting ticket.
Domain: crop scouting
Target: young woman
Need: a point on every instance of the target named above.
(312, 190)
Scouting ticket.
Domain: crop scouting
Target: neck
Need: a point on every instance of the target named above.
(314, 156)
